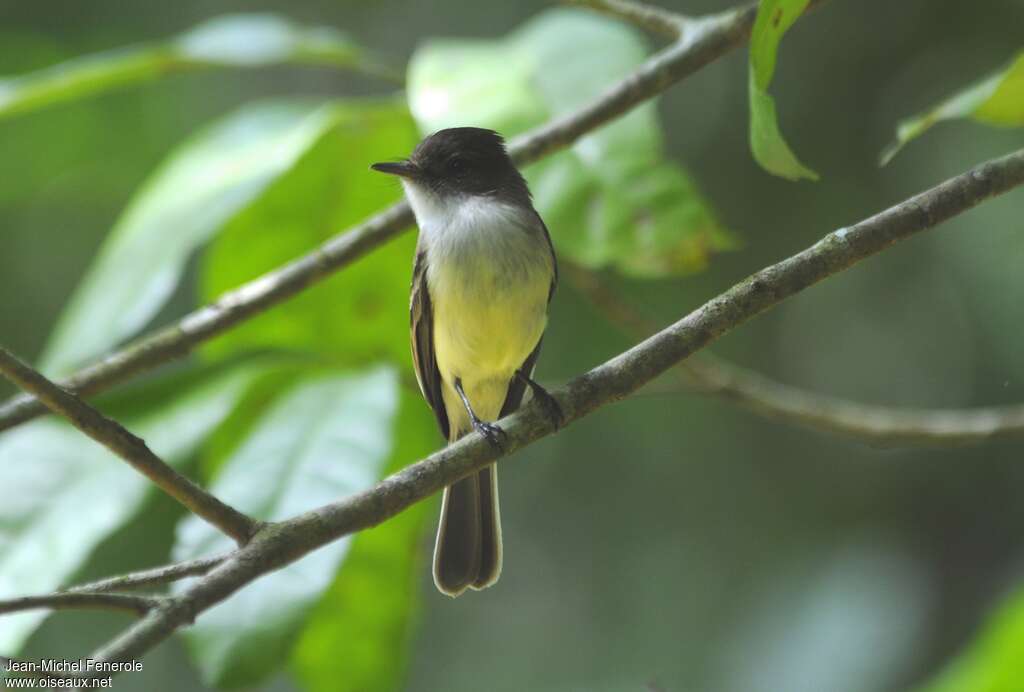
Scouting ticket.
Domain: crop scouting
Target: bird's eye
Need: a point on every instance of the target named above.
(455, 164)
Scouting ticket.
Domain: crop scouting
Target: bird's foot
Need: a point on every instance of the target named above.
(551, 407)
(493, 433)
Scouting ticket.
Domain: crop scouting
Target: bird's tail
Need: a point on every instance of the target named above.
(467, 553)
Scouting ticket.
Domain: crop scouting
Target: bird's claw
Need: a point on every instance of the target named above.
(550, 405)
(547, 402)
(493, 433)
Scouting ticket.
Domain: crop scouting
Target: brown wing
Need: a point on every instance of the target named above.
(517, 387)
(421, 328)
(554, 275)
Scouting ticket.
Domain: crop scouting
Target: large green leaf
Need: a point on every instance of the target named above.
(354, 317)
(230, 41)
(209, 181)
(357, 637)
(994, 662)
(612, 199)
(65, 493)
(328, 437)
(774, 17)
(996, 100)
(361, 313)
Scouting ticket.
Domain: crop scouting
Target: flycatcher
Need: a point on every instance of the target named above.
(483, 277)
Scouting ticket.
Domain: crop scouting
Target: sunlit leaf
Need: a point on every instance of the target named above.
(209, 181)
(357, 316)
(72, 493)
(230, 41)
(774, 17)
(610, 200)
(995, 100)
(328, 437)
(994, 662)
(360, 314)
(357, 637)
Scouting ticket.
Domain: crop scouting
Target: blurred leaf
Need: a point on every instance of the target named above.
(254, 40)
(359, 315)
(72, 493)
(844, 621)
(247, 414)
(994, 662)
(38, 151)
(995, 100)
(211, 179)
(235, 41)
(357, 637)
(356, 316)
(327, 438)
(774, 17)
(612, 199)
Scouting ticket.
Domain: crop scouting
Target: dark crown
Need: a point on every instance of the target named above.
(469, 160)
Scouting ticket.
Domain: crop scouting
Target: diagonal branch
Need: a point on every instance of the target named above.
(152, 577)
(82, 601)
(650, 17)
(132, 449)
(278, 544)
(881, 426)
(877, 425)
(703, 40)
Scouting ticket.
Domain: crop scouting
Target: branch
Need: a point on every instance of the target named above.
(153, 576)
(278, 544)
(877, 425)
(703, 41)
(92, 596)
(132, 449)
(87, 601)
(650, 17)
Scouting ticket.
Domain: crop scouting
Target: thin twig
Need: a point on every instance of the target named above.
(705, 39)
(277, 545)
(153, 576)
(132, 449)
(876, 425)
(82, 601)
(650, 17)
(881, 426)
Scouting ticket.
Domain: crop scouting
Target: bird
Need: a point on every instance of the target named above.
(483, 276)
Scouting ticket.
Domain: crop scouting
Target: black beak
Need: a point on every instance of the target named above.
(404, 169)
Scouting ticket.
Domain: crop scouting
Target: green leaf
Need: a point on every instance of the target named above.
(994, 662)
(327, 438)
(769, 148)
(71, 493)
(262, 393)
(230, 41)
(610, 200)
(996, 100)
(34, 148)
(357, 637)
(358, 315)
(210, 180)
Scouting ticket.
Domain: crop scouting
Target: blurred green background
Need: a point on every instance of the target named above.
(672, 541)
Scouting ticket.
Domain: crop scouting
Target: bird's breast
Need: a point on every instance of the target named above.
(489, 278)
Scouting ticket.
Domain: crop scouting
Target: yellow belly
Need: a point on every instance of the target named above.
(485, 326)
